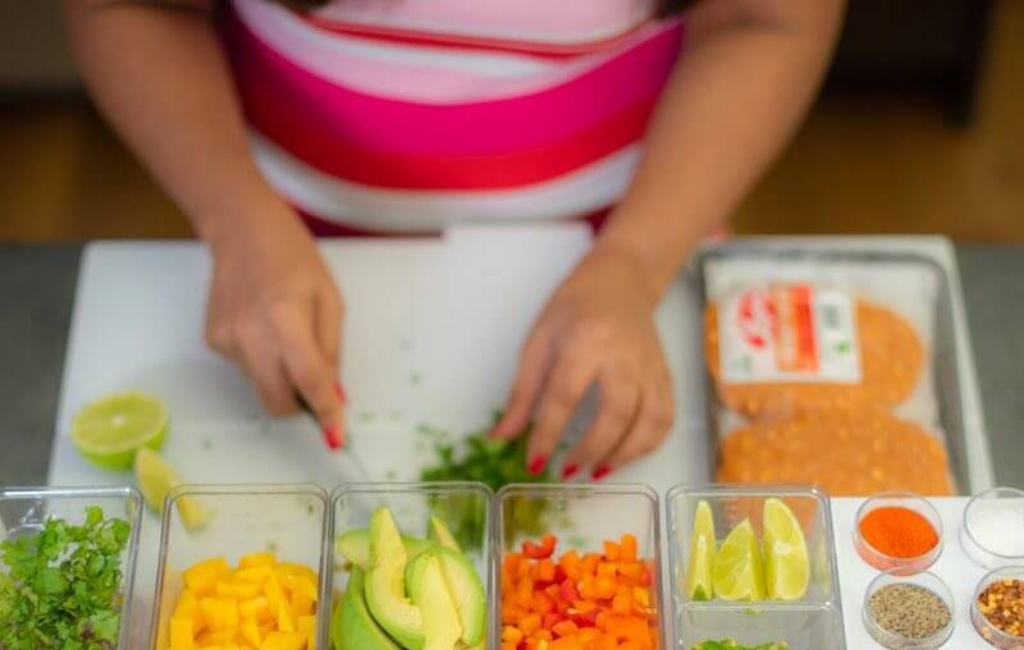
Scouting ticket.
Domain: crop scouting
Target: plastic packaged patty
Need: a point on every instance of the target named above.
(823, 369)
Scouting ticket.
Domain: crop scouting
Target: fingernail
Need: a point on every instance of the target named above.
(537, 465)
(332, 435)
(601, 472)
(341, 393)
(570, 470)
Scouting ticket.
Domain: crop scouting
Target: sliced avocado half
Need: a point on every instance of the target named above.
(439, 533)
(353, 628)
(464, 584)
(385, 584)
(429, 592)
(355, 546)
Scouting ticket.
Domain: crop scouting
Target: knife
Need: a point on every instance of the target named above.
(360, 469)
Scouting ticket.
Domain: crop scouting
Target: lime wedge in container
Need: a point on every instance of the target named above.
(700, 567)
(739, 568)
(155, 479)
(787, 567)
(110, 430)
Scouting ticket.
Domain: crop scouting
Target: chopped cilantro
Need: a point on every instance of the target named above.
(61, 587)
(496, 463)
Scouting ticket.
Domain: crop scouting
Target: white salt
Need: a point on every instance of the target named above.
(998, 525)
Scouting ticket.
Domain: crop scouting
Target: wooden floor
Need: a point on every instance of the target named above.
(859, 165)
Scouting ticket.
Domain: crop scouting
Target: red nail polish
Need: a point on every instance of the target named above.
(332, 435)
(537, 465)
(341, 393)
(601, 472)
(570, 470)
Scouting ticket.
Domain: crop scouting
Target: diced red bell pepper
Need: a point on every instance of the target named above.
(545, 549)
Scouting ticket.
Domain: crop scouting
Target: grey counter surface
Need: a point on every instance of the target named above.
(37, 286)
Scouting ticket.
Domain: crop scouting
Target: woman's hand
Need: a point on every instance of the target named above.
(275, 311)
(598, 328)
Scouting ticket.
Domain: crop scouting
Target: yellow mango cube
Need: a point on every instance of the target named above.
(256, 574)
(274, 593)
(210, 638)
(182, 634)
(188, 607)
(220, 613)
(292, 568)
(285, 618)
(301, 604)
(284, 641)
(257, 608)
(257, 559)
(250, 632)
(237, 589)
(307, 625)
(307, 586)
(201, 578)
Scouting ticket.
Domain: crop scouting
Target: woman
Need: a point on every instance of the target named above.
(404, 115)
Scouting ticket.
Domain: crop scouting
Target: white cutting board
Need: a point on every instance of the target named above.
(451, 311)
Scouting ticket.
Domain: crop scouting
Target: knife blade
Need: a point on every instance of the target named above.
(348, 450)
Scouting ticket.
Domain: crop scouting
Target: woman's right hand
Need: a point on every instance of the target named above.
(275, 311)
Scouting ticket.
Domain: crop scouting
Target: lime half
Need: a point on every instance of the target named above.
(786, 564)
(155, 479)
(110, 430)
(739, 569)
(700, 567)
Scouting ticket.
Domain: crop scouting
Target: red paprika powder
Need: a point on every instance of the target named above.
(898, 532)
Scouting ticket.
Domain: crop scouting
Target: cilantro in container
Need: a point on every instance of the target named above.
(62, 587)
(495, 463)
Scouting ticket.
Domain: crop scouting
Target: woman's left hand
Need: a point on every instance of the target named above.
(598, 328)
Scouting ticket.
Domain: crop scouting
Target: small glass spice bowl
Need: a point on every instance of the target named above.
(900, 566)
(894, 641)
(992, 634)
(972, 538)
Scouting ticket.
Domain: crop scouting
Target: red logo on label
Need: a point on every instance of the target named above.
(756, 318)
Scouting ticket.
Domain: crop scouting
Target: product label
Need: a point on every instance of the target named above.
(789, 333)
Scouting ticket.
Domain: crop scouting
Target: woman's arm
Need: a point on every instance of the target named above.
(158, 73)
(748, 74)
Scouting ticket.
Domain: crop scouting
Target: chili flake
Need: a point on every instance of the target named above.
(1002, 604)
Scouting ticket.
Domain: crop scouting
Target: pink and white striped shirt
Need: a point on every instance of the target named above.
(407, 115)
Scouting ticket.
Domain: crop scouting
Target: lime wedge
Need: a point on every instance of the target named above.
(155, 479)
(786, 563)
(700, 568)
(110, 430)
(739, 569)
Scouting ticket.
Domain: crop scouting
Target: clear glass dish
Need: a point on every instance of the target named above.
(23, 511)
(582, 517)
(813, 622)
(464, 507)
(288, 520)
(993, 635)
(972, 537)
(903, 566)
(895, 641)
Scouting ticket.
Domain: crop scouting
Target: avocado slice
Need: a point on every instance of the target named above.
(353, 628)
(427, 588)
(385, 584)
(439, 533)
(464, 584)
(355, 546)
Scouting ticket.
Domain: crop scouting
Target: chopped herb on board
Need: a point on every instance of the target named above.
(62, 586)
(495, 463)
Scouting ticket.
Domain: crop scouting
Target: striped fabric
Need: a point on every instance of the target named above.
(369, 114)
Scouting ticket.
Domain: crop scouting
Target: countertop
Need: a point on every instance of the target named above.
(37, 288)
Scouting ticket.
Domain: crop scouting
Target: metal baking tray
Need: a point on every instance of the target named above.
(943, 352)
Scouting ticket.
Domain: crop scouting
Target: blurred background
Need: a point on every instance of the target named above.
(920, 129)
